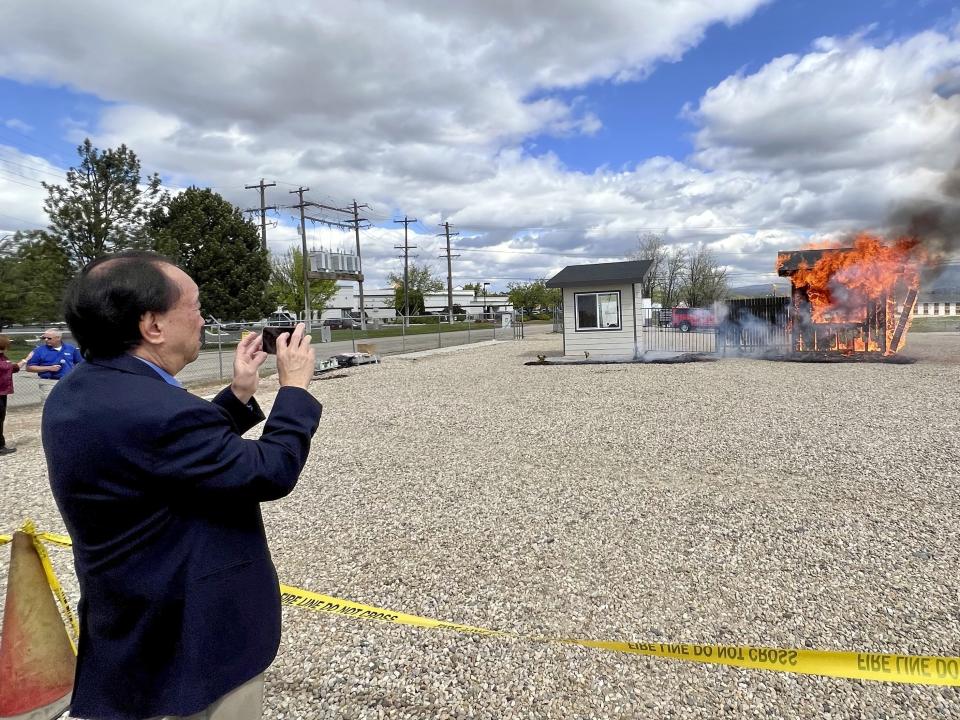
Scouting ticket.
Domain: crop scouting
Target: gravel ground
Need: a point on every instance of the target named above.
(736, 501)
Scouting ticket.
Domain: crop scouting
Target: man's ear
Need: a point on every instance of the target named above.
(151, 328)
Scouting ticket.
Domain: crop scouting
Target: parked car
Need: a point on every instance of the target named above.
(282, 318)
(341, 323)
(687, 319)
(225, 326)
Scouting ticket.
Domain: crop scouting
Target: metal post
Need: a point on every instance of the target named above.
(306, 274)
(356, 230)
(305, 259)
(483, 315)
(220, 349)
(403, 335)
(353, 338)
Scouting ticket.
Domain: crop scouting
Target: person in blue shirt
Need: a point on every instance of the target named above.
(52, 361)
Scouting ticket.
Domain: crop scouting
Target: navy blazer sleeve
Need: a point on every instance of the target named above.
(198, 452)
(243, 416)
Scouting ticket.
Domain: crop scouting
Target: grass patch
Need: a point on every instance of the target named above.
(412, 329)
(20, 346)
(933, 324)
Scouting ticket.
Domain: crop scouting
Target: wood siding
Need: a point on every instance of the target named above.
(599, 342)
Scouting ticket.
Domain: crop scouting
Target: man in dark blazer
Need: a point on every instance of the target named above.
(179, 598)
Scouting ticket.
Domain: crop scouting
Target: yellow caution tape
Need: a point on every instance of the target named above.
(915, 669)
(72, 625)
(884, 667)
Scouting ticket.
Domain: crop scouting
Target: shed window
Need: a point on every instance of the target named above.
(598, 311)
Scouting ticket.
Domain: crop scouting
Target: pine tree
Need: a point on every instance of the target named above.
(102, 208)
(211, 240)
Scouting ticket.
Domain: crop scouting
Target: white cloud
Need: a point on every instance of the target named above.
(422, 107)
(17, 124)
(844, 106)
(21, 192)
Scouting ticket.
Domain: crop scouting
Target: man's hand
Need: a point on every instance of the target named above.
(247, 361)
(43, 368)
(295, 358)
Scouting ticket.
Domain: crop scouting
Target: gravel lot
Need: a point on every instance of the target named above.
(736, 501)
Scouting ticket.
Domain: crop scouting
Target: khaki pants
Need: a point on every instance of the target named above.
(45, 387)
(242, 703)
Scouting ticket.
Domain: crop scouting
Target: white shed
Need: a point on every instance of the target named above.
(602, 307)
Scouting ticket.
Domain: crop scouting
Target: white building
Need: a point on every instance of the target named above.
(378, 303)
(603, 307)
(937, 303)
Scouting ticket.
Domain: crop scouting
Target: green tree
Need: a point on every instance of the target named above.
(34, 271)
(214, 244)
(104, 205)
(417, 303)
(533, 295)
(421, 281)
(286, 284)
(473, 286)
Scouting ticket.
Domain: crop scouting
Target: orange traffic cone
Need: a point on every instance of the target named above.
(36, 661)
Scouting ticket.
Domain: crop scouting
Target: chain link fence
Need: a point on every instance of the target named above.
(338, 337)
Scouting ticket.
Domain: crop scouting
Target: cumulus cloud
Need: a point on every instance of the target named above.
(424, 107)
(847, 106)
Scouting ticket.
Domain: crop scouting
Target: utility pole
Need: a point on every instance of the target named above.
(263, 208)
(449, 257)
(356, 230)
(305, 259)
(406, 247)
(355, 224)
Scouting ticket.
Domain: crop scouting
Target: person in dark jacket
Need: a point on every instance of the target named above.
(160, 493)
(7, 369)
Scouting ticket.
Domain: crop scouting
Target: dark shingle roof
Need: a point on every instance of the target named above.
(615, 272)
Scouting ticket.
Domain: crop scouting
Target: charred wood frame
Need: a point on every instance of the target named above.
(881, 329)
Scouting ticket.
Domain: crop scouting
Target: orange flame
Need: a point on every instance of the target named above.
(868, 285)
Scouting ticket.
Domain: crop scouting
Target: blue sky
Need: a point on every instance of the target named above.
(645, 118)
(803, 119)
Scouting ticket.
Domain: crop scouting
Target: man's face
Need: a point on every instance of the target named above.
(51, 339)
(183, 322)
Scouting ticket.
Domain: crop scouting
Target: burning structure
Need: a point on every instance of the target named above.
(850, 300)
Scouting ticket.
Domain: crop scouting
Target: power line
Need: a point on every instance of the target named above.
(34, 168)
(17, 182)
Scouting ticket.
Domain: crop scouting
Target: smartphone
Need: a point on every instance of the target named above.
(269, 337)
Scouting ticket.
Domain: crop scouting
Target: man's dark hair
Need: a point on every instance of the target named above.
(105, 302)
